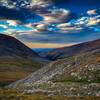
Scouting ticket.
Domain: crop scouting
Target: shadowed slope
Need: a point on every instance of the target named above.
(16, 59)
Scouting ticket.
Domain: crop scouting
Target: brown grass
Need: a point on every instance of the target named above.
(8, 77)
(16, 95)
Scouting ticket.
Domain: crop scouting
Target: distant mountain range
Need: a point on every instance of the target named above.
(42, 51)
(75, 73)
(16, 59)
(73, 50)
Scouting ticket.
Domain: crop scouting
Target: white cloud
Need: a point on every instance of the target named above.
(3, 26)
(57, 16)
(42, 27)
(93, 21)
(92, 12)
(12, 22)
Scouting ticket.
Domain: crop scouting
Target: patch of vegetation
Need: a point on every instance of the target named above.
(7, 94)
(95, 78)
(71, 79)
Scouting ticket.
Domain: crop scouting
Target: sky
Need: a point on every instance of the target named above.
(50, 23)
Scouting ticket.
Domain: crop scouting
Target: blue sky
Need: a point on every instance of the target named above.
(52, 24)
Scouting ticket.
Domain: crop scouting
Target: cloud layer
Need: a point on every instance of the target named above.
(45, 23)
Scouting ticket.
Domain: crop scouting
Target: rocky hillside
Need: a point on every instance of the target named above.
(75, 75)
(73, 50)
(16, 59)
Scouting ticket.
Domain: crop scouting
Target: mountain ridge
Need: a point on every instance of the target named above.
(72, 50)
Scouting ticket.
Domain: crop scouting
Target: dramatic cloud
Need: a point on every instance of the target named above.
(3, 26)
(57, 15)
(93, 21)
(69, 28)
(42, 27)
(12, 22)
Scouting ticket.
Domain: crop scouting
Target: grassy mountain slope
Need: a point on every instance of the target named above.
(16, 60)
